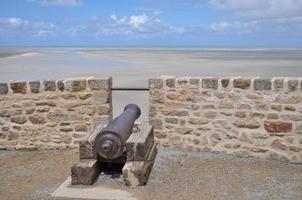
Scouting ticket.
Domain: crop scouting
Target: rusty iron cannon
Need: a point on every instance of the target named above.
(110, 143)
(117, 144)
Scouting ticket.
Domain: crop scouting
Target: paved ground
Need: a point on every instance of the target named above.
(176, 175)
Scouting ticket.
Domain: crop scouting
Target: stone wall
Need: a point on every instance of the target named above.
(241, 116)
(52, 114)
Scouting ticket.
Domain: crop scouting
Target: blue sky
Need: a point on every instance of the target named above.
(205, 23)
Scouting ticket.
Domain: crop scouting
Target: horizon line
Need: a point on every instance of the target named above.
(151, 46)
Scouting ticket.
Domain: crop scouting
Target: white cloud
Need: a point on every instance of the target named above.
(19, 26)
(236, 26)
(135, 26)
(219, 26)
(14, 21)
(239, 5)
(66, 3)
(274, 17)
(119, 20)
(137, 20)
(261, 9)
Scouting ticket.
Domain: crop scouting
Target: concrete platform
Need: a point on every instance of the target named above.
(66, 191)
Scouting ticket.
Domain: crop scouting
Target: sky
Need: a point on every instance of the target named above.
(202, 23)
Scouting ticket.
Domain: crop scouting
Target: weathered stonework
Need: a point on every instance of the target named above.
(138, 159)
(49, 85)
(262, 84)
(3, 88)
(85, 172)
(19, 87)
(240, 116)
(52, 114)
(34, 86)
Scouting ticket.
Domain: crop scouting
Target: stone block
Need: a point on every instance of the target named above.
(225, 82)
(60, 85)
(260, 135)
(136, 173)
(3, 88)
(86, 150)
(101, 98)
(278, 144)
(240, 114)
(198, 121)
(99, 83)
(20, 119)
(179, 113)
(184, 130)
(277, 126)
(46, 103)
(210, 114)
(262, 84)
(85, 96)
(209, 83)
(292, 84)
(170, 82)
(75, 85)
(140, 143)
(250, 124)
(157, 96)
(276, 107)
(34, 86)
(278, 83)
(37, 119)
(208, 106)
(57, 115)
(235, 96)
(298, 129)
(261, 105)
(171, 120)
(156, 83)
(171, 96)
(183, 81)
(80, 128)
(104, 110)
(272, 116)
(221, 95)
(242, 83)
(49, 85)
(290, 108)
(226, 104)
(5, 113)
(19, 87)
(12, 136)
(85, 172)
(66, 129)
(292, 117)
(194, 82)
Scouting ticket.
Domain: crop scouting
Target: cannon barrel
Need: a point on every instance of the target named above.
(110, 143)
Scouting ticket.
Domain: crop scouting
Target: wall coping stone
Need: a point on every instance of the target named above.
(216, 83)
(68, 84)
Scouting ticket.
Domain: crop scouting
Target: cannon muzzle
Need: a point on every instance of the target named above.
(110, 143)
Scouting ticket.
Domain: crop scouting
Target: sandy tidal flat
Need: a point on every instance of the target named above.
(132, 67)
